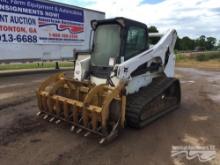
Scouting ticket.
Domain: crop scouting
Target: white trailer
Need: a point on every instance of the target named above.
(33, 30)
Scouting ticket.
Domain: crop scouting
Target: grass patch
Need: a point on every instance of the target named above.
(208, 56)
(181, 57)
(206, 60)
(198, 56)
(35, 65)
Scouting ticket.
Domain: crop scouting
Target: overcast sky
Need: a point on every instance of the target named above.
(189, 17)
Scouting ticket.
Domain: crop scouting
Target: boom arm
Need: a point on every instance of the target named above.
(164, 50)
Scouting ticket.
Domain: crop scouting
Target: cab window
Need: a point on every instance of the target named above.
(136, 42)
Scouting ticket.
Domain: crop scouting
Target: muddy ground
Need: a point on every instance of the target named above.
(24, 139)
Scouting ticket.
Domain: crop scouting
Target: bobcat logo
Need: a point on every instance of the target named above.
(203, 153)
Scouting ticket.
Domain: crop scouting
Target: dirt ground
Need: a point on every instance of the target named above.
(25, 139)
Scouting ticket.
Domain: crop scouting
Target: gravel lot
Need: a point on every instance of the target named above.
(25, 139)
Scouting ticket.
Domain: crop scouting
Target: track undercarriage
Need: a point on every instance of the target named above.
(151, 102)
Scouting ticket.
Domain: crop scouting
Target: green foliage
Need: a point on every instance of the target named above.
(201, 41)
(210, 43)
(154, 40)
(186, 43)
(200, 44)
(152, 29)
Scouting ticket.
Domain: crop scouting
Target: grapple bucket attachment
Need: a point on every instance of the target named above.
(86, 107)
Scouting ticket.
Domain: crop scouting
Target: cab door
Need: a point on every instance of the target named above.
(136, 41)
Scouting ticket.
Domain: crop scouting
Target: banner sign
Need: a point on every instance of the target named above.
(36, 22)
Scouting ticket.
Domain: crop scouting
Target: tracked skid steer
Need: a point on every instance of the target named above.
(121, 80)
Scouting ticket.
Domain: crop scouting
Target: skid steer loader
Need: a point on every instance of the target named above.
(121, 80)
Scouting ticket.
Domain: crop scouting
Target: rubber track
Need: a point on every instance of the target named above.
(136, 102)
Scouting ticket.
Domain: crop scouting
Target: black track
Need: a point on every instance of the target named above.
(151, 102)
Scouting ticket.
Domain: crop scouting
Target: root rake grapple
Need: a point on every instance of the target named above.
(83, 105)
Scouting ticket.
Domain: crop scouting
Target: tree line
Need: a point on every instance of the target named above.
(186, 43)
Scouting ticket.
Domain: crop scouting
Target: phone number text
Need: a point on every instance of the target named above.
(10, 38)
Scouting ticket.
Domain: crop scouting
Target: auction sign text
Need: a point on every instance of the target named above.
(36, 22)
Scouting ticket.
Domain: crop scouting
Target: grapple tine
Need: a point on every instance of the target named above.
(102, 141)
(94, 121)
(75, 115)
(44, 104)
(57, 107)
(79, 131)
(80, 120)
(66, 109)
(85, 118)
(39, 113)
(58, 122)
(52, 119)
(45, 117)
(72, 128)
(87, 134)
